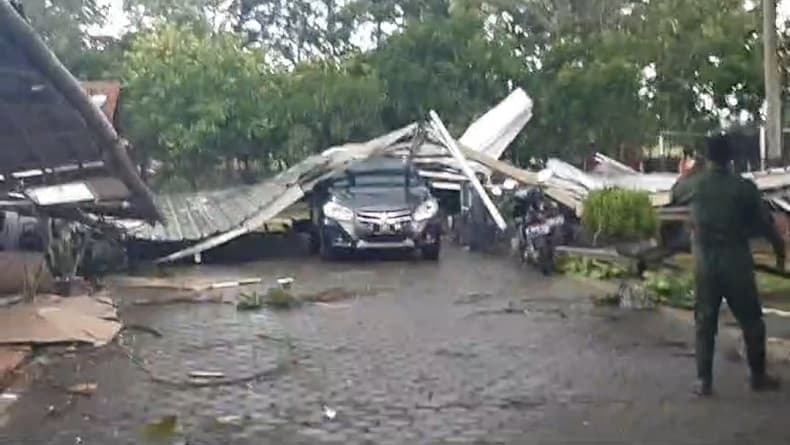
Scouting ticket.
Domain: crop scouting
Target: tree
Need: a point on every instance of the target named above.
(64, 24)
(207, 14)
(447, 64)
(589, 97)
(296, 31)
(613, 72)
(195, 98)
(708, 48)
(324, 104)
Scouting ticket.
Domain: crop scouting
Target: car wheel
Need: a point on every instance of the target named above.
(431, 252)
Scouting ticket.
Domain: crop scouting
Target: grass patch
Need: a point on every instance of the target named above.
(591, 268)
(771, 287)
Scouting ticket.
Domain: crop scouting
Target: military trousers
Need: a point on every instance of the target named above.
(727, 273)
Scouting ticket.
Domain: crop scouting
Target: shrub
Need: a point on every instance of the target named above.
(619, 215)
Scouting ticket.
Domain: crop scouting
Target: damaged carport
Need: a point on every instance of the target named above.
(60, 156)
(197, 222)
(59, 152)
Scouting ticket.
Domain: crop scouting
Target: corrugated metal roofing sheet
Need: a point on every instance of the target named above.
(202, 215)
(196, 216)
(50, 131)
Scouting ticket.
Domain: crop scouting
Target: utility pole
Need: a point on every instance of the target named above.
(773, 85)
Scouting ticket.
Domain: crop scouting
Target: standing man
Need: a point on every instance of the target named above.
(727, 211)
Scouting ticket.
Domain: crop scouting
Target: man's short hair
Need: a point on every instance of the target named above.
(719, 150)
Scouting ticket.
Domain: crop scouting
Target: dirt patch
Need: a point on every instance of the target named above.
(11, 358)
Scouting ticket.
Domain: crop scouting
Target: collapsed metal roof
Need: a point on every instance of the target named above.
(54, 139)
(212, 218)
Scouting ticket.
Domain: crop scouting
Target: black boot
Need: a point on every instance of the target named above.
(703, 388)
(754, 336)
(765, 383)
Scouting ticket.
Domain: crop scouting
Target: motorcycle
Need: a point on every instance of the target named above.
(539, 223)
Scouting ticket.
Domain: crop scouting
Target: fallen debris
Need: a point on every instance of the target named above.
(53, 319)
(608, 299)
(206, 375)
(11, 358)
(330, 295)
(190, 298)
(249, 302)
(279, 298)
(285, 283)
(332, 305)
(329, 413)
(269, 337)
(281, 368)
(141, 328)
(514, 310)
(452, 146)
(165, 429)
(230, 420)
(83, 389)
(474, 297)
(9, 396)
(184, 284)
(275, 298)
(776, 312)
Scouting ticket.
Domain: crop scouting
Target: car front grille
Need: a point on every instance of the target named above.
(388, 217)
(395, 238)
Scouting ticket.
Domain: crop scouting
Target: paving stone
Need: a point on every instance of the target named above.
(376, 363)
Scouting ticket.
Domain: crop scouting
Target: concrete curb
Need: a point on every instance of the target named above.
(777, 349)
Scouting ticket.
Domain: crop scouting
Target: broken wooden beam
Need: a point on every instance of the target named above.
(452, 147)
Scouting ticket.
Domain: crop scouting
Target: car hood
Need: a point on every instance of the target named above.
(380, 199)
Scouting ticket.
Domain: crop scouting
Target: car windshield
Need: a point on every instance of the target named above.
(376, 180)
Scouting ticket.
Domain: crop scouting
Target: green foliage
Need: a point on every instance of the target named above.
(447, 64)
(323, 104)
(587, 84)
(592, 268)
(268, 82)
(620, 215)
(275, 298)
(64, 24)
(671, 288)
(196, 97)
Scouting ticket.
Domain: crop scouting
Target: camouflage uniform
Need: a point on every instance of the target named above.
(727, 211)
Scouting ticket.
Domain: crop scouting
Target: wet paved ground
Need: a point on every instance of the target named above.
(429, 354)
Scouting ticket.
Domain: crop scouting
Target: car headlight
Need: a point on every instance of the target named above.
(333, 210)
(426, 210)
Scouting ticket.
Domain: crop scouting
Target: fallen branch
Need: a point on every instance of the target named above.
(519, 311)
(269, 337)
(266, 374)
(142, 328)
